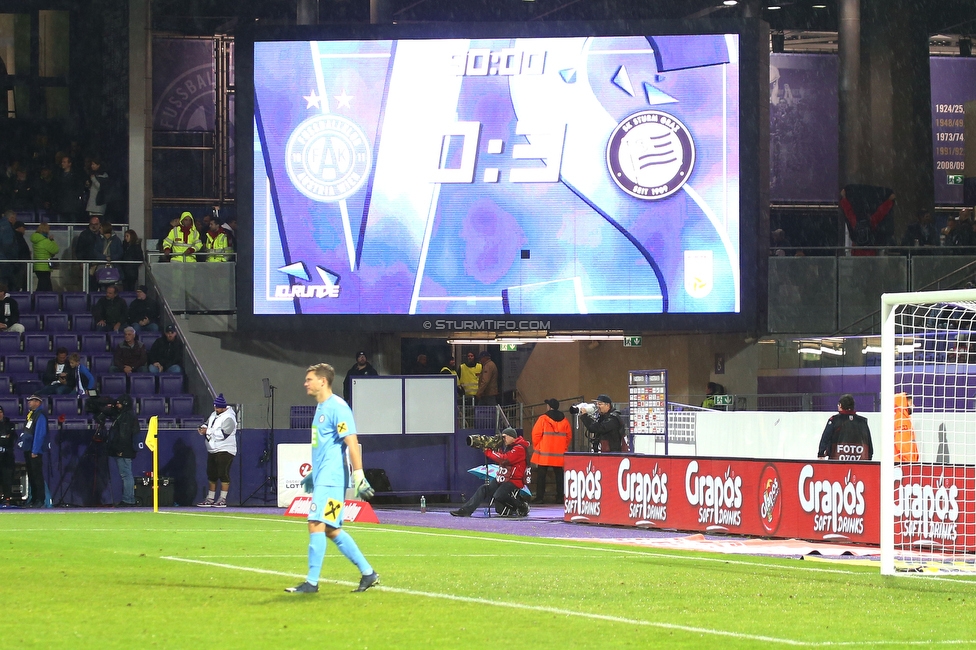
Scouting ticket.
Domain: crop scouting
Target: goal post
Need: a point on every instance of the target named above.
(928, 437)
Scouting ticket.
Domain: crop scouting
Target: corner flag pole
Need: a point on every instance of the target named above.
(152, 445)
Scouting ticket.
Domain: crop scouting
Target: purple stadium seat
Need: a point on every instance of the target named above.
(115, 340)
(127, 296)
(56, 323)
(93, 343)
(9, 343)
(46, 302)
(24, 302)
(113, 384)
(170, 383)
(142, 384)
(27, 386)
(31, 322)
(181, 406)
(37, 343)
(4, 385)
(150, 406)
(40, 362)
(167, 423)
(82, 322)
(75, 424)
(66, 405)
(16, 363)
(75, 302)
(148, 338)
(101, 363)
(11, 406)
(67, 341)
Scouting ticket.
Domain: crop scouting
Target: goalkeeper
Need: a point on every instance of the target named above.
(333, 431)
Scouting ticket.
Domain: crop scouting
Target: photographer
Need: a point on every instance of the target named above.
(606, 430)
(8, 437)
(121, 446)
(510, 479)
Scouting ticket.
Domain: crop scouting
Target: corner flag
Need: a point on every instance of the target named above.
(152, 445)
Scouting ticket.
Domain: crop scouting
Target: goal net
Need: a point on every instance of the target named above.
(928, 441)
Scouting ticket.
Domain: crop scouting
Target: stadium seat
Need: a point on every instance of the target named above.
(93, 343)
(166, 423)
(31, 322)
(4, 385)
(171, 383)
(101, 363)
(75, 302)
(9, 343)
(11, 406)
(37, 344)
(128, 297)
(40, 363)
(16, 363)
(66, 405)
(148, 338)
(115, 339)
(150, 406)
(181, 406)
(82, 322)
(75, 424)
(113, 384)
(142, 384)
(56, 323)
(27, 386)
(24, 302)
(46, 302)
(67, 341)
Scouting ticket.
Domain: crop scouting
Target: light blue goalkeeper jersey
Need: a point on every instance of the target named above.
(331, 424)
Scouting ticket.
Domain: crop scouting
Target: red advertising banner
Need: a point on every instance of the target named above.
(934, 507)
(824, 501)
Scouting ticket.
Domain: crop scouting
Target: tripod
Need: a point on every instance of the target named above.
(268, 458)
(92, 452)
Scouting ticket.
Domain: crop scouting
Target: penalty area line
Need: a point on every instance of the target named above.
(547, 610)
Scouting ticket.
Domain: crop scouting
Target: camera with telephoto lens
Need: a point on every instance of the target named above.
(583, 407)
(486, 442)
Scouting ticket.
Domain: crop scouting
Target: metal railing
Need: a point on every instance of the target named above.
(80, 280)
(787, 402)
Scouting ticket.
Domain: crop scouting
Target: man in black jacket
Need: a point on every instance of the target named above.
(361, 368)
(143, 313)
(166, 353)
(847, 435)
(606, 427)
(8, 437)
(109, 312)
(9, 312)
(121, 446)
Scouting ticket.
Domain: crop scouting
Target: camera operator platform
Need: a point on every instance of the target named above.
(505, 488)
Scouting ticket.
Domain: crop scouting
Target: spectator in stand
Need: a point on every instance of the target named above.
(711, 390)
(218, 246)
(420, 366)
(864, 230)
(779, 244)
(55, 376)
(487, 381)
(183, 241)
(97, 185)
(9, 312)
(110, 248)
(230, 229)
(69, 191)
(921, 232)
(166, 354)
(130, 355)
(23, 254)
(8, 246)
(143, 314)
(131, 252)
(361, 368)
(109, 312)
(44, 190)
(79, 376)
(959, 233)
(21, 191)
(468, 375)
(88, 240)
(45, 248)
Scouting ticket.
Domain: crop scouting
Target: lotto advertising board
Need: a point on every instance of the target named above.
(500, 183)
(935, 507)
(837, 502)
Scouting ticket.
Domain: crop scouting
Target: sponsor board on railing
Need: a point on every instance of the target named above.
(935, 507)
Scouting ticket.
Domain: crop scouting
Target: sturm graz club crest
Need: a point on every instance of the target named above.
(328, 158)
(650, 155)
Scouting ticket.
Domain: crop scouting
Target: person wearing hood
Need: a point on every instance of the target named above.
(121, 445)
(551, 436)
(508, 482)
(183, 241)
(906, 450)
(361, 368)
(220, 431)
(847, 435)
(45, 248)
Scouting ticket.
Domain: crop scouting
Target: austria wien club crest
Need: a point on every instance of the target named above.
(650, 155)
(328, 158)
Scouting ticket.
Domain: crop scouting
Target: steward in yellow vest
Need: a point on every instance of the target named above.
(182, 241)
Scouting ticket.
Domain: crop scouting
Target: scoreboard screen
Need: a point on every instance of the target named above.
(424, 183)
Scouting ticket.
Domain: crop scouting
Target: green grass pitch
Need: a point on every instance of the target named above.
(215, 580)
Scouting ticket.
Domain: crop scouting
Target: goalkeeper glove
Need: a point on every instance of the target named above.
(362, 486)
(307, 483)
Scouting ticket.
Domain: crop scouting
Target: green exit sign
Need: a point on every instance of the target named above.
(633, 341)
(722, 400)
(508, 347)
(954, 179)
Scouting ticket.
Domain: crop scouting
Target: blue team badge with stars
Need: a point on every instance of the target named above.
(328, 158)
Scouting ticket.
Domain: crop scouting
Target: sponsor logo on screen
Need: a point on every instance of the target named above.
(583, 490)
(646, 495)
(328, 158)
(928, 511)
(838, 508)
(770, 498)
(650, 155)
(719, 498)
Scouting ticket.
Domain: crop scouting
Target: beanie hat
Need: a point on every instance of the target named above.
(509, 431)
(220, 402)
(604, 398)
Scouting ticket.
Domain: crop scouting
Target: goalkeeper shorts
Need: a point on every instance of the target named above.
(327, 505)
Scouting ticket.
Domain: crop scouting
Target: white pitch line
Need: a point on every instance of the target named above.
(510, 605)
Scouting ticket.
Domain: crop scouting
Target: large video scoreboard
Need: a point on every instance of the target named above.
(480, 181)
